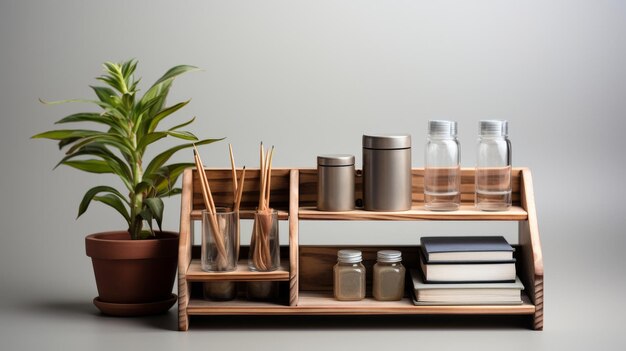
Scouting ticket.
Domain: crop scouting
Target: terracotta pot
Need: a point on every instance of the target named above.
(131, 272)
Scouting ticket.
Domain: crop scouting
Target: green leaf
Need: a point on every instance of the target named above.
(99, 150)
(89, 195)
(143, 186)
(154, 121)
(116, 203)
(149, 139)
(167, 176)
(114, 140)
(170, 192)
(160, 159)
(96, 102)
(66, 133)
(175, 71)
(182, 124)
(104, 94)
(91, 166)
(155, 205)
(182, 135)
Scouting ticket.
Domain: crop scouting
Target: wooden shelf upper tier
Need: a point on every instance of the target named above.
(465, 213)
(242, 273)
(312, 303)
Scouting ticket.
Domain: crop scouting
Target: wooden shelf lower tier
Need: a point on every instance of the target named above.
(314, 303)
(242, 273)
(465, 213)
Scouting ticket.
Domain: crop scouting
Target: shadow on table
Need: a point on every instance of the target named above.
(381, 322)
(169, 320)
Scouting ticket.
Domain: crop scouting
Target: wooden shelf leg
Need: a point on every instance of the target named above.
(294, 202)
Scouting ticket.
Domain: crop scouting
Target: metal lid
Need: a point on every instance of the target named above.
(389, 256)
(349, 256)
(493, 128)
(335, 160)
(442, 128)
(387, 141)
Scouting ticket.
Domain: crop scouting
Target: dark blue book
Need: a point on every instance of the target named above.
(466, 249)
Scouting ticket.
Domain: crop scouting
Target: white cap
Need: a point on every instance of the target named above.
(442, 128)
(493, 128)
(389, 256)
(349, 256)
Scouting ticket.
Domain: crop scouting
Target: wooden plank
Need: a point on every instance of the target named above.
(293, 238)
(532, 257)
(315, 303)
(418, 212)
(242, 273)
(221, 184)
(184, 250)
(196, 215)
(308, 186)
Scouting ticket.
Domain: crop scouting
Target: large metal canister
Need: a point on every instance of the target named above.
(387, 172)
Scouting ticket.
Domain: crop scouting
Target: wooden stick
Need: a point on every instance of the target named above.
(262, 179)
(208, 199)
(234, 171)
(269, 178)
(240, 190)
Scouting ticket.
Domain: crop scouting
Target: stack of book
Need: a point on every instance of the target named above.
(466, 270)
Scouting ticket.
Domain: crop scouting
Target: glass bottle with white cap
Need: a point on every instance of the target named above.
(349, 276)
(493, 168)
(442, 167)
(388, 283)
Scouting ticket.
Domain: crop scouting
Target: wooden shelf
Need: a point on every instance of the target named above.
(319, 303)
(325, 303)
(282, 215)
(238, 306)
(465, 213)
(306, 275)
(242, 273)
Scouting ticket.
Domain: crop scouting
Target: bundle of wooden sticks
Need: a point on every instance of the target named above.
(261, 253)
(217, 226)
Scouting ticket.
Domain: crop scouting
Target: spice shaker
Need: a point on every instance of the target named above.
(388, 278)
(335, 182)
(349, 276)
(387, 172)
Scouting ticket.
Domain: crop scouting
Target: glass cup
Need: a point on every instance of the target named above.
(220, 241)
(264, 253)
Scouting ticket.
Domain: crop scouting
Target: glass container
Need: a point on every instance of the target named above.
(388, 278)
(493, 168)
(349, 276)
(442, 167)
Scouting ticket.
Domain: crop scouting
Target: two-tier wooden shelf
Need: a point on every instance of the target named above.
(305, 275)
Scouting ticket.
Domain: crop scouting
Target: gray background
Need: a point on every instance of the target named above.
(311, 77)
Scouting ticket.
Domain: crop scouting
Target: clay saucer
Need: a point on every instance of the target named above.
(135, 309)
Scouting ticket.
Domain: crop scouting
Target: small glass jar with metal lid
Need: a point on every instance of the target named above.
(349, 276)
(388, 283)
(335, 182)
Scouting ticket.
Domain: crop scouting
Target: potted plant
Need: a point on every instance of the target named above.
(135, 267)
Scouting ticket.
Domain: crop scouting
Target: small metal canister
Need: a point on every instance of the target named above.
(387, 172)
(335, 182)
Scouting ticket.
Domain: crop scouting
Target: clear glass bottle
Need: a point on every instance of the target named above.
(493, 168)
(388, 283)
(442, 169)
(349, 276)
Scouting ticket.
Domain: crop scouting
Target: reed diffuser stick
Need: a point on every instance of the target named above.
(234, 171)
(218, 236)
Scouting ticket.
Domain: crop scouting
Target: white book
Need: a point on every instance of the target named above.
(466, 293)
